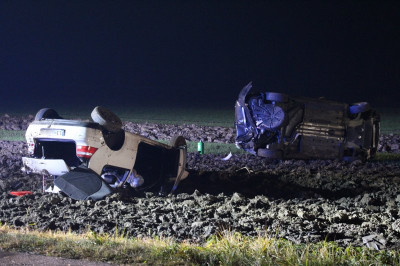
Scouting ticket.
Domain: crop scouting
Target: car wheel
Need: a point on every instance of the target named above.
(106, 118)
(271, 154)
(177, 141)
(47, 113)
(276, 97)
(272, 116)
(357, 108)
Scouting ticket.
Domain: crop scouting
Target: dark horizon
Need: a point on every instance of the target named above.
(152, 53)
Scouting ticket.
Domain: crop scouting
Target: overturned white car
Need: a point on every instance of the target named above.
(87, 160)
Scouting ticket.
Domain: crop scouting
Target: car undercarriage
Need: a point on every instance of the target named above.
(276, 126)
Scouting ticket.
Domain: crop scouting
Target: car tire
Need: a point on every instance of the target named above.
(276, 97)
(47, 113)
(271, 154)
(273, 117)
(361, 107)
(107, 119)
(177, 141)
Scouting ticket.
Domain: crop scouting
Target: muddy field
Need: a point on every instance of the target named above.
(303, 201)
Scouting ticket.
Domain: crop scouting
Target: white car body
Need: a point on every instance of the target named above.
(60, 130)
(50, 144)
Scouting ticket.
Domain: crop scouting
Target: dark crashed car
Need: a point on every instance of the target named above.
(277, 126)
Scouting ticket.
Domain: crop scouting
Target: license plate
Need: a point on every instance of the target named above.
(52, 132)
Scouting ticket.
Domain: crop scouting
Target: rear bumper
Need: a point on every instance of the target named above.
(54, 167)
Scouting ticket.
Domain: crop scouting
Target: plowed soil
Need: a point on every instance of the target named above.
(303, 201)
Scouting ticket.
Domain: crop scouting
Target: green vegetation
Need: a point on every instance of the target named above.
(12, 135)
(390, 120)
(383, 156)
(225, 249)
(214, 148)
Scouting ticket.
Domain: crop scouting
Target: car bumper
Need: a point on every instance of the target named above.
(54, 167)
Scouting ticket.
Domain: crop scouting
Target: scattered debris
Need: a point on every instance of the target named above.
(227, 157)
(20, 193)
(377, 242)
(245, 169)
(200, 147)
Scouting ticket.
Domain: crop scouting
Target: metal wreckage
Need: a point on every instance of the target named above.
(277, 126)
(89, 160)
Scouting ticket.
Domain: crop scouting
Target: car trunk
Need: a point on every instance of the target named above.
(57, 149)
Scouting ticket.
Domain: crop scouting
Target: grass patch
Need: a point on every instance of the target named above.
(215, 148)
(381, 156)
(225, 249)
(12, 135)
(212, 147)
(390, 120)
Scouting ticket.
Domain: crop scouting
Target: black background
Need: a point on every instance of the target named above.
(196, 52)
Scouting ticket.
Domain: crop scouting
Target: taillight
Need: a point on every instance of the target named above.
(85, 151)
(31, 148)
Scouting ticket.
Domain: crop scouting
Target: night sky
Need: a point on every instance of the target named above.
(132, 53)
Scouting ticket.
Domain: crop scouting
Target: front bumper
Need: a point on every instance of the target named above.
(246, 130)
